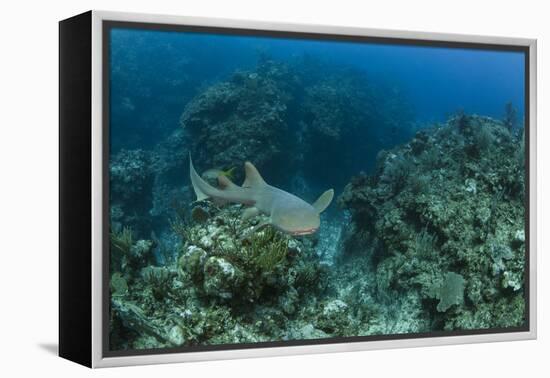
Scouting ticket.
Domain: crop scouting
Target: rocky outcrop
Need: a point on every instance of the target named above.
(445, 211)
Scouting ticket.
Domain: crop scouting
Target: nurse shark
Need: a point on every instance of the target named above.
(286, 211)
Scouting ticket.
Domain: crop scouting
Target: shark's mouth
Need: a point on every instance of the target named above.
(306, 231)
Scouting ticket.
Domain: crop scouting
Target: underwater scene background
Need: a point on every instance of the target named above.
(423, 146)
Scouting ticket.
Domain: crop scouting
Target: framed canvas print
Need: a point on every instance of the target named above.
(235, 189)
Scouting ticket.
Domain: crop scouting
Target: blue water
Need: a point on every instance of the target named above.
(155, 74)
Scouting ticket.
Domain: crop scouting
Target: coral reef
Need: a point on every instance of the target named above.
(445, 212)
(430, 234)
(285, 117)
(225, 286)
(510, 117)
(244, 118)
(435, 241)
(337, 110)
(131, 181)
(432, 239)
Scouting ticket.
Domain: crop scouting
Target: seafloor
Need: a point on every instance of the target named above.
(432, 240)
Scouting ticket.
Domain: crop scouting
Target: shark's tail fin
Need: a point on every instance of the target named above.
(199, 185)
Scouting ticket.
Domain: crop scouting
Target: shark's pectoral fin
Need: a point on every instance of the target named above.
(323, 201)
(250, 212)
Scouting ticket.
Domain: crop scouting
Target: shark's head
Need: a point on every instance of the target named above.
(303, 220)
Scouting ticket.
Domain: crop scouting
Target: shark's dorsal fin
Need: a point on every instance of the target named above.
(323, 201)
(253, 178)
